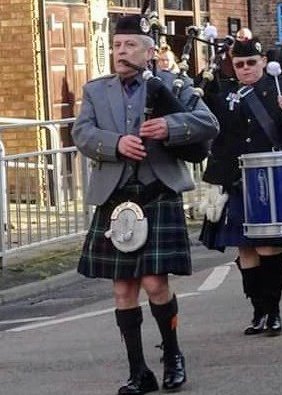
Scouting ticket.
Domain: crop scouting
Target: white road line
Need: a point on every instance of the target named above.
(216, 278)
(61, 320)
(179, 296)
(212, 281)
(232, 263)
(19, 320)
(78, 317)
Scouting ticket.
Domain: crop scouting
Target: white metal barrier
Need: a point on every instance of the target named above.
(42, 194)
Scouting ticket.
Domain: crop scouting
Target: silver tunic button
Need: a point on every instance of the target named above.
(248, 140)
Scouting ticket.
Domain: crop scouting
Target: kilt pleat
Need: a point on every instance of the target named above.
(167, 249)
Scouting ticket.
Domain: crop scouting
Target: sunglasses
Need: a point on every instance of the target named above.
(249, 62)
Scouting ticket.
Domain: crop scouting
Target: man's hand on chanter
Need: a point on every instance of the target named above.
(155, 128)
(132, 147)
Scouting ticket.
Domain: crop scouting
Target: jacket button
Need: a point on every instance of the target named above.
(188, 135)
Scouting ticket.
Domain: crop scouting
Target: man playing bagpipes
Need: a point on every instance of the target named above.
(138, 234)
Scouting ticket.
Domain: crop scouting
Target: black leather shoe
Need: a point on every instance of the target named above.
(140, 384)
(273, 325)
(258, 326)
(174, 372)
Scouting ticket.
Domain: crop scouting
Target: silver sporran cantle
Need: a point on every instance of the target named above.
(129, 227)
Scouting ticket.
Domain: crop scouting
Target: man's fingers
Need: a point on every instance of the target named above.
(154, 128)
(132, 147)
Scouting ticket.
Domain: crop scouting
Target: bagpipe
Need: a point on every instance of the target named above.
(160, 101)
(218, 50)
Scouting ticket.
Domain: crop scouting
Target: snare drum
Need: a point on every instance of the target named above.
(262, 194)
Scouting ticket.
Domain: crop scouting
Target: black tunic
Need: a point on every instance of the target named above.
(240, 134)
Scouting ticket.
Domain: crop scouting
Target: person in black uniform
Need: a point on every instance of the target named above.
(224, 76)
(242, 133)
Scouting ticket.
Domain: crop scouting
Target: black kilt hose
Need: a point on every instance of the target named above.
(167, 249)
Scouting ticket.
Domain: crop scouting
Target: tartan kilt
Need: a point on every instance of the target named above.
(167, 249)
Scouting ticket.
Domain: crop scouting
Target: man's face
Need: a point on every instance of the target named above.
(130, 47)
(249, 69)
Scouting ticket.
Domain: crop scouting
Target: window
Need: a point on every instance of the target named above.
(279, 22)
(125, 3)
(132, 3)
(204, 5)
(115, 3)
(68, 1)
(183, 5)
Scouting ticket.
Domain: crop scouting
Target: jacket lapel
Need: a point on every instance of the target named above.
(115, 96)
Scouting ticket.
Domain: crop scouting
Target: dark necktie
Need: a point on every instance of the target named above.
(130, 86)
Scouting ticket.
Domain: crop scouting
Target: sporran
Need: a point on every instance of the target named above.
(129, 227)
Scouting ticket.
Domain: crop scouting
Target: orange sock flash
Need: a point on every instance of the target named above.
(174, 322)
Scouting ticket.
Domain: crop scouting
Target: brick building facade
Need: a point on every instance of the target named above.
(16, 52)
(23, 70)
(263, 21)
(223, 13)
(17, 78)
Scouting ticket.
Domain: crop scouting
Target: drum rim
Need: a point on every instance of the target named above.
(252, 155)
(262, 159)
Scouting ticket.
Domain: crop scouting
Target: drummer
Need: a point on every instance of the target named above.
(241, 133)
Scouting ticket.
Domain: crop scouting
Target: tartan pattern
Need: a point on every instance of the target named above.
(167, 249)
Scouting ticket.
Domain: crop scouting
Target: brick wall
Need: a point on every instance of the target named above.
(17, 97)
(220, 10)
(264, 21)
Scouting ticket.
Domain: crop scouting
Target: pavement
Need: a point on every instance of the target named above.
(28, 273)
(31, 272)
(78, 350)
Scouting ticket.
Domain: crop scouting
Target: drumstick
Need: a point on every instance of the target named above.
(274, 69)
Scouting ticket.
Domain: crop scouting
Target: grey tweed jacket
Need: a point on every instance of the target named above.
(101, 122)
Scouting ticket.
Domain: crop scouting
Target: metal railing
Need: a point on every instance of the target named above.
(42, 193)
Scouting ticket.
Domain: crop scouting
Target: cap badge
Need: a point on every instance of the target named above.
(145, 25)
(258, 46)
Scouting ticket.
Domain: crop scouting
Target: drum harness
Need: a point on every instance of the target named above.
(261, 115)
(216, 199)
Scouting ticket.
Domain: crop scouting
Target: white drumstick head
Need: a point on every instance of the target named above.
(273, 68)
(210, 32)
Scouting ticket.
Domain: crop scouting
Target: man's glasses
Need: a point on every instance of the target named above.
(249, 62)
